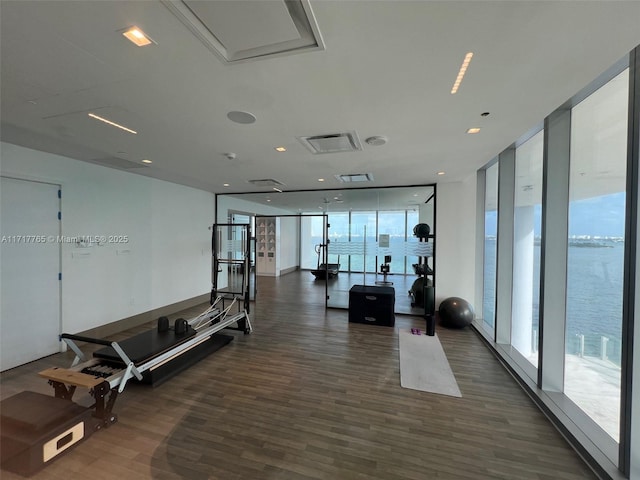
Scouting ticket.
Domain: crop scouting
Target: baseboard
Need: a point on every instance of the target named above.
(284, 271)
(118, 326)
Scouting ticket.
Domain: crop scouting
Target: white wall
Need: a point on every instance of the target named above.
(289, 242)
(167, 257)
(455, 240)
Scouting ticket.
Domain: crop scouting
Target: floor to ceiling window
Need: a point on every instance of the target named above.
(393, 224)
(567, 301)
(595, 259)
(363, 233)
(338, 232)
(490, 246)
(526, 248)
(412, 221)
(311, 238)
(397, 226)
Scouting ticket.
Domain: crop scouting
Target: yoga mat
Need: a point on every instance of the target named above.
(424, 365)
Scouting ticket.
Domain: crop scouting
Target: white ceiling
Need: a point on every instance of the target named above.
(387, 69)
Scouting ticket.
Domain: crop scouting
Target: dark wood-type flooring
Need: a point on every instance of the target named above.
(310, 396)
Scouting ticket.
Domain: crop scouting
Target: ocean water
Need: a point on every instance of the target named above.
(594, 296)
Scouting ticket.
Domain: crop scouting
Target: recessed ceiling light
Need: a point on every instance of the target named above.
(147, 161)
(225, 185)
(441, 173)
(280, 149)
(137, 36)
(241, 117)
(321, 179)
(268, 199)
(474, 130)
(113, 124)
(461, 72)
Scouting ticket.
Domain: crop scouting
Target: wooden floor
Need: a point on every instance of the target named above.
(310, 396)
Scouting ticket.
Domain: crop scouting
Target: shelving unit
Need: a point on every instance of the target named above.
(268, 246)
(423, 289)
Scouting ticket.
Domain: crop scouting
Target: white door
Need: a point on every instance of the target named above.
(29, 271)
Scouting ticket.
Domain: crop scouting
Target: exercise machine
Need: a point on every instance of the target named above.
(37, 428)
(151, 356)
(384, 270)
(325, 270)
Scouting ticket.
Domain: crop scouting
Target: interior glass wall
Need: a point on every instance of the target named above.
(387, 215)
(595, 257)
(490, 247)
(527, 224)
(372, 236)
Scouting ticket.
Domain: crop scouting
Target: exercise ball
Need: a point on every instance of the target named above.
(456, 312)
(421, 230)
(417, 290)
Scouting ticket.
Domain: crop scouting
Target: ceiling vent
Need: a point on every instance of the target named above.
(253, 29)
(267, 182)
(332, 143)
(355, 177)
(117, 162)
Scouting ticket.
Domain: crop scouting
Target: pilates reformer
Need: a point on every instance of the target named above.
(111, 368)
(37, 428)
(155, 355)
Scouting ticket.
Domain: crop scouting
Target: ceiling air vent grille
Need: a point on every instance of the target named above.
(332, 143)
(266, 182)
(355, 177)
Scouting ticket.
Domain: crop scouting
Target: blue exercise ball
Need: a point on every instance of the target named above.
(456, 312)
